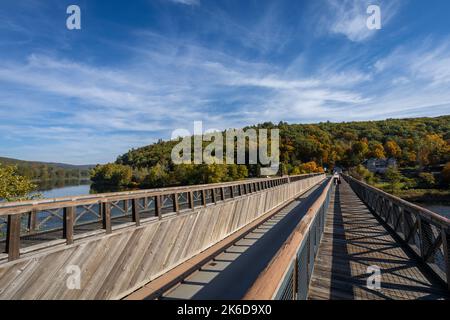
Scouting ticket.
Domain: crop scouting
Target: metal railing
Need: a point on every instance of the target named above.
(288, 275)
(27, 223)
(426, 233)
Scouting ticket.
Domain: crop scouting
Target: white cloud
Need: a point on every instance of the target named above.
(349, 17)
(187, 2)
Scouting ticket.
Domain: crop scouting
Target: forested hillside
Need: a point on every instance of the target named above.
(46, 171)
(416, 143)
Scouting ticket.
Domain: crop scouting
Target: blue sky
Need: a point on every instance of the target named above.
(137, 70)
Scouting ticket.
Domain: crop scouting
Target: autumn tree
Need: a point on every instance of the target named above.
(376, 150)
(13, 186)
(392, 149)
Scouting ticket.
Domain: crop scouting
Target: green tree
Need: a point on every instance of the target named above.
(112, 174)
(427, 179)
(14, 187)
(394, 177)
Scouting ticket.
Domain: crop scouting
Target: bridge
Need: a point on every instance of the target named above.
(296, 237)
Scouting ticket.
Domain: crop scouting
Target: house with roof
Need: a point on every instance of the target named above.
(379, 165)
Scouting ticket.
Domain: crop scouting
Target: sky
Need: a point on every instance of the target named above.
(138, 70)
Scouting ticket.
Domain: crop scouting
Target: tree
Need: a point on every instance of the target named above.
(394, 177)
(446, 173)
(14, 187)
(427, 179)
(111, 174)
(376, 150)
(392, 149)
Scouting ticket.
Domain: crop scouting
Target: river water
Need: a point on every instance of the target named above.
(443, 210)
(67, 191)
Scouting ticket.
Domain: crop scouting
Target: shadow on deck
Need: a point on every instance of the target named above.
(354, 240)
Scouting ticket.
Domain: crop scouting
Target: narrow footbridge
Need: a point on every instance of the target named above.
(297, 237)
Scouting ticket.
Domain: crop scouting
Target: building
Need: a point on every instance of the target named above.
(376, 165)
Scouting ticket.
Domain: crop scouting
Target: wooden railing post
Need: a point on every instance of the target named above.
(213, 195)
(135, 212)
(125, 206)
(158, 207)
(32, 221)
(176, 206)
(240, 190)
(232, 191)
(13, 237)
(222, 193)
(106, 217)
(191, 200)
(204, 197)
(68, 224)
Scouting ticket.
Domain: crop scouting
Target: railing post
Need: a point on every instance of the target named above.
(68, 222)
(32, 220)
(176, 206)
(232, 192)
(213, 195)
(106, 217)
(125, 206)
(135, 212)
(158, 206)
(13, 237)
(240, 190)
(222, 193)
(204, 197)
(191, 200)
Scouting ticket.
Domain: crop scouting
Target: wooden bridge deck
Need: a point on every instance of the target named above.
(354, 240)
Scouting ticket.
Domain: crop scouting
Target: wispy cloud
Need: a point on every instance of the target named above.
(85, 109)
(349, 17)
(187, 2)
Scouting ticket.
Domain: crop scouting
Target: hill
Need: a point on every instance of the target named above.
(37, 170)
(414, 142)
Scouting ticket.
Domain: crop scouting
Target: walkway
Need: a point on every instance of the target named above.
(231, 273)
(354, 240)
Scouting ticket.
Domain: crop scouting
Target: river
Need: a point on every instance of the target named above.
(441, 209)
(66, 191)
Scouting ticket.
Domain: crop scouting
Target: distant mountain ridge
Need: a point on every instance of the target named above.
(12, 161)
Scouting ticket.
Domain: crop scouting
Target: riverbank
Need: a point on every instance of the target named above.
(425, 196)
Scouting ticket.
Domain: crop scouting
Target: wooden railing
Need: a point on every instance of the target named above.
(426, 233)
(288, 274)
(64, 219)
